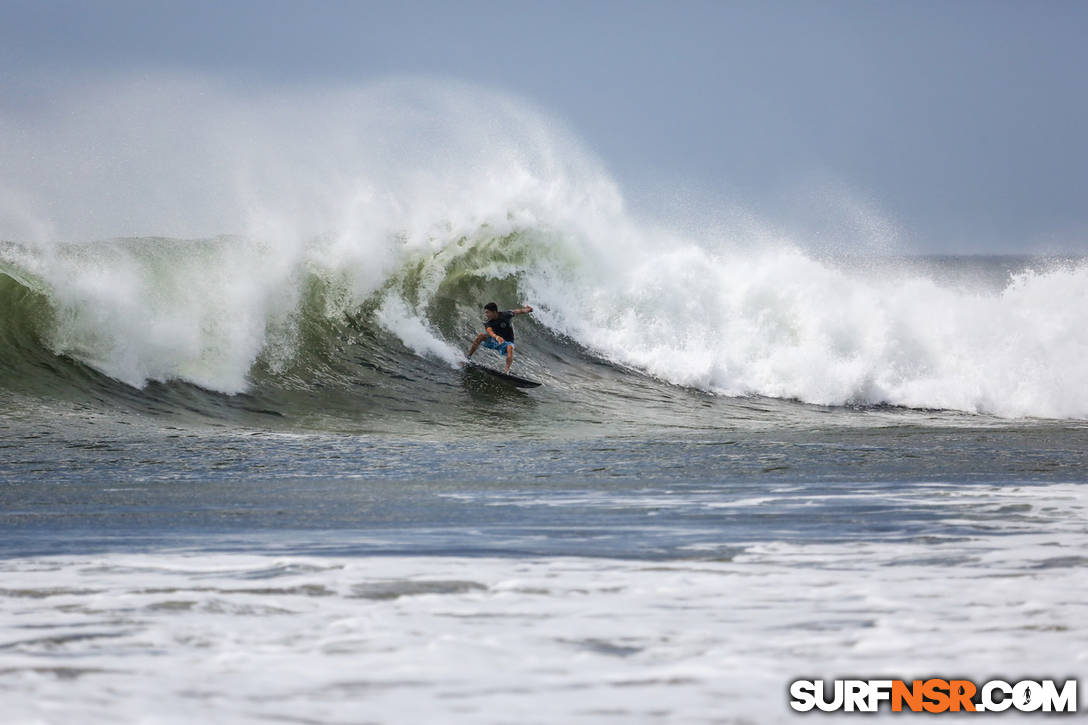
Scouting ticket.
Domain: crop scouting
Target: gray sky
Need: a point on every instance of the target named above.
(961, 122)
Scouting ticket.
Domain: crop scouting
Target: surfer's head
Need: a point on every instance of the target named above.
(491, 310)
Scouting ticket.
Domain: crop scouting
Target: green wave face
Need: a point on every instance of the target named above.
(26, 317)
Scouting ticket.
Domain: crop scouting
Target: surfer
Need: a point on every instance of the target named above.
(498, 333)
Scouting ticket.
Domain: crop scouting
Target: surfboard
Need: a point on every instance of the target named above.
(506, 377)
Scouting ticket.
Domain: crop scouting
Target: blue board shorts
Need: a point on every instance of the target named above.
(490, 344)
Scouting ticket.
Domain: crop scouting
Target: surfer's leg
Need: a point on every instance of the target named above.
(509, 356)
(476, 343)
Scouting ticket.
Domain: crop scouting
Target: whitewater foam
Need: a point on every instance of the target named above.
(779, 323)
(247, 637)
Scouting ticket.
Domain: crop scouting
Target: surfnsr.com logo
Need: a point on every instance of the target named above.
(934, 695)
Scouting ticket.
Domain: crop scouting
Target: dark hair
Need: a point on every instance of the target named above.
(491, 306)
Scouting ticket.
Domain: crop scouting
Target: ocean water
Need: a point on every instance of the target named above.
(245, 477)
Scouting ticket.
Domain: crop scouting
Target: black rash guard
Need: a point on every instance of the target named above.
(501, 325)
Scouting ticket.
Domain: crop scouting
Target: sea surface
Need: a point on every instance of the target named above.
(309, 511)
(246, 477)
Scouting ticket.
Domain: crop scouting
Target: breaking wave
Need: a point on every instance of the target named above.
(365, 228)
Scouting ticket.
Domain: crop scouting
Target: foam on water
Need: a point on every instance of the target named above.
(356, 186)
(183, 636)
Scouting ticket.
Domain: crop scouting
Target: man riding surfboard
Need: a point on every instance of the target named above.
(498, 331)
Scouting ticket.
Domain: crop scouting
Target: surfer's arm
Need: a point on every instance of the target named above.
(498, 338)
(523, 310)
